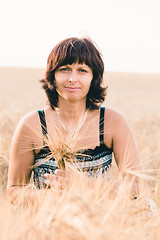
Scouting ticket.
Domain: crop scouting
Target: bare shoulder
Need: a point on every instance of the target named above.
(116, 124)
(114, 116)
(28, 122)
(31, 116)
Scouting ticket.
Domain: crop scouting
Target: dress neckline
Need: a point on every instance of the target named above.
(101, 125)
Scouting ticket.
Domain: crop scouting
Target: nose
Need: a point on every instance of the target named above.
(73, 77)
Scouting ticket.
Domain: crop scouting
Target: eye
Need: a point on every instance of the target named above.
(64, 69)
(82, 70)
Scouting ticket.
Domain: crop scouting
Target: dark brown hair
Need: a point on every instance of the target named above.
(67, 52)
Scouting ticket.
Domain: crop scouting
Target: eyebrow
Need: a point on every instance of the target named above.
(84, 66)
(68, 65)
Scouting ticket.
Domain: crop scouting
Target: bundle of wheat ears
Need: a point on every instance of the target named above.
(64, 148)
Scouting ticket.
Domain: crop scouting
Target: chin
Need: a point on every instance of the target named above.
(75, 98)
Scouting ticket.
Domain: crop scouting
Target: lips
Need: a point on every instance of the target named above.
(72, 88)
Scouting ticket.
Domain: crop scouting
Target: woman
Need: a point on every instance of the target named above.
(73, 86)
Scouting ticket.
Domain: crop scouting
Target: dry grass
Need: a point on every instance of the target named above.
(87, 208)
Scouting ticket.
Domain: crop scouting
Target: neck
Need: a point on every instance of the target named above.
(71, 110)
(71, 115)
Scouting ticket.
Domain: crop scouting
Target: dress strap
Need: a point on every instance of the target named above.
(43, 121)
(101, 125)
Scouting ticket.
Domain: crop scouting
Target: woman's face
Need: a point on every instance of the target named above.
(73, 81)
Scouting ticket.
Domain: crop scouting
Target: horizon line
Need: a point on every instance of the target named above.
(105, 71)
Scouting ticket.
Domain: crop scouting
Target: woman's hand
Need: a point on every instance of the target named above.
(56, 180)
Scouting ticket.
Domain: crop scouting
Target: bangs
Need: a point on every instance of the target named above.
(75, 51)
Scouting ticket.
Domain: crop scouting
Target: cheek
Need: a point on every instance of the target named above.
(88, 83)
(58, 83)
(58, 80)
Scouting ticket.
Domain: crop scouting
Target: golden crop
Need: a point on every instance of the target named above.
(87, 208)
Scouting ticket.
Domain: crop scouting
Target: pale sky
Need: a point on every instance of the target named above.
(127, 32)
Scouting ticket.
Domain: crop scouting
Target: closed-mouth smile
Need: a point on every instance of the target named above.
(72, 88)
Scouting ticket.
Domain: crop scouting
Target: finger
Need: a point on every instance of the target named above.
(51, 181)
(50, 176)
(55, 184)
(47, 180)
(53, 178)
(47, 175)
(60, 172)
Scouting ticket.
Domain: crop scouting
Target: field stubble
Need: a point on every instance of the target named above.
(83, 211)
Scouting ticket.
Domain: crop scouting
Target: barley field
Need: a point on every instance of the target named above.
(87, 208)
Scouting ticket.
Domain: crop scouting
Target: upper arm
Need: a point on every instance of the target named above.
(124, 144)
(21, 155)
